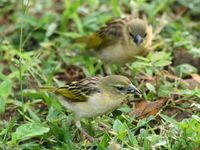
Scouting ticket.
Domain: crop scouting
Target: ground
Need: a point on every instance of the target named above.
(37, 50)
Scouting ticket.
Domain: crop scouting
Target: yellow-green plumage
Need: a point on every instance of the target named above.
(94, 96)
(118, 40)
(79, 91)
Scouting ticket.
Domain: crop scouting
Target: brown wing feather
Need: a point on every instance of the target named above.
(80, 91)
(111, 32)
(106, 35)
(114, 28)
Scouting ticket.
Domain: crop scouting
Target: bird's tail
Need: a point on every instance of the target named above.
(46, 88)
(83, 39)
(91, 41)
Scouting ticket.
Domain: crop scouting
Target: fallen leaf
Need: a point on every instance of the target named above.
(146, 108)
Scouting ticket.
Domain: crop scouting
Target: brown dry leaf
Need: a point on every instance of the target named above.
(146, 108)
(195, 76)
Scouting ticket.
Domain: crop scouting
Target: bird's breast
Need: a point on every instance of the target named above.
(98, 104)
(121, 53)
(103, 104)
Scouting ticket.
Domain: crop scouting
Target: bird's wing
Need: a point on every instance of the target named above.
(79, 91)
(108, 34)
(70, 93)
(50, 89)
(113, 31)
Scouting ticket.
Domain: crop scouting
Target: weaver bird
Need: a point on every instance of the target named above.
(95, 96)
(117, 41)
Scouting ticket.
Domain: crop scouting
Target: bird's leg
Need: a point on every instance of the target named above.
(125, 72)
(107, 70)
(91, 139)
(128, 67)
(105, 126)
(98, 128)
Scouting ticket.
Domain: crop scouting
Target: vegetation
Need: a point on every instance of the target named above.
(36, 50)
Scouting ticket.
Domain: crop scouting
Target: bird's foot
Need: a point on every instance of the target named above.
(91, 139)
(126, 73)
(105, 126)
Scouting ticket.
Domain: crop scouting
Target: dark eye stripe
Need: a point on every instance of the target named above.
(131, 35)
(120, 88)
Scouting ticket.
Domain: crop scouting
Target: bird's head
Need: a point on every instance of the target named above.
(118, 86)
(137, 31)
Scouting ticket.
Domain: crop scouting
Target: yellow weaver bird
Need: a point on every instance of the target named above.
(95, 96)
(117, 41)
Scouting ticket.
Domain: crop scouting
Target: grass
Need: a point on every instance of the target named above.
(36, 50)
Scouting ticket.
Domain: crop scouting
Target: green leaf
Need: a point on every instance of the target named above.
(151, 87)
(29, 130)
(5, 88)
(54, 115)
(182, 70)
(144, 64)
(162, 90)
(3, 77)
(50, 78)
(7, 130)
(122, 132)
(116, 8)
(25, 116)
(132, 138)
(162, 63)
(56, 104)
(170, 120)
(125, 108)
(2, 104)
(101, 148)
(67, 136)
(157, 8)
(146, 141)
(51, 100)
(32, 95)
(117, 125)
(103, 142)
(196, 118)
(186, 92)
(78, 22)
(56, 131)
(65, 146)
(141, 58)
(34, 116)
(50, 29)
(157, 56)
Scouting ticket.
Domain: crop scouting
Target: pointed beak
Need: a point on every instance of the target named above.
(133, 90)
(138, 40)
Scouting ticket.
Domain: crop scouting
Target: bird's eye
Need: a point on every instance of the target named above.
(131, 35)
(120, 88)
(145, 35)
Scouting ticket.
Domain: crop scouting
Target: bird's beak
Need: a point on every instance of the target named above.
(133, 90)
(138, 40)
